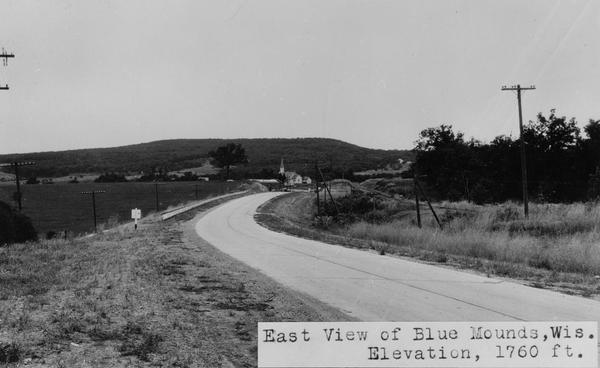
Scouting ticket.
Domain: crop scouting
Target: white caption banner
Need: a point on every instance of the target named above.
(428, 344)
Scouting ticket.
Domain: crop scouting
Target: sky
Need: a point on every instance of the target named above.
(372, 73)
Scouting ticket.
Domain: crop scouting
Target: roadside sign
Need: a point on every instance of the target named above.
(136, 214)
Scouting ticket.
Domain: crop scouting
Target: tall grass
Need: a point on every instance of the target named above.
(557, 237)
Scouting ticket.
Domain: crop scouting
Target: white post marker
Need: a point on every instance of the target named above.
(136, 214)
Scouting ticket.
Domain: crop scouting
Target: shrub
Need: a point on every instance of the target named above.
(355, 207)
(9, 353)
(32, 180)
(507, 213)
(111, 178)
(594, 185)
(15, 227)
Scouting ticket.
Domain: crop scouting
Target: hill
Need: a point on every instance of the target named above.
(264, 154)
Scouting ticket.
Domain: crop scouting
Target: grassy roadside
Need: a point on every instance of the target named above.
(159, 296)
(539, 260)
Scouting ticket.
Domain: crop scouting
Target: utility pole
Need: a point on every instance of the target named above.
(337, 210)
(518, 88)
(420, 189)
(317, 188)
(417, 205)
(5, 56)
(15, 165)
(93, 193)
(156, 194)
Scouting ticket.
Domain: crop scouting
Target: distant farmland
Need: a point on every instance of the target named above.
(59, 207)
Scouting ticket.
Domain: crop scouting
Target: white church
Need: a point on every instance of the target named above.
(292, 178)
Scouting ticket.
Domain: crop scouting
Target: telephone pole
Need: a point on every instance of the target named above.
(417, 205)
(5, 56)
(156, 195)
(317, 189)
(93, 193)
(15, 165)
(518, 88)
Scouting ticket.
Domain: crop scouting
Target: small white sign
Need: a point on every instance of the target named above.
(136, 214)
(428, 344)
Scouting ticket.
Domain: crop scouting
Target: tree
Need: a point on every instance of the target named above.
(110, 178)
(591, 156)
(442, 161)
(552, 134)
(556, 171)
(562, 164)
(431, 139)
(593, 130)
(281, 178)
(228, 155)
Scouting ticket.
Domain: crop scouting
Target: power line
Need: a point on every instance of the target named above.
(93, 193)
(5, 56)
(518, 88)
(15, 165)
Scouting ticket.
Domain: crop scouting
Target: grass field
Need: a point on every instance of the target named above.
(556, 237)
(59, 207)
(156, 297)
(558, 247)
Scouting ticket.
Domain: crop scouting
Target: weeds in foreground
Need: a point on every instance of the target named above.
(139, 342)
(557, 237)
(9, 352)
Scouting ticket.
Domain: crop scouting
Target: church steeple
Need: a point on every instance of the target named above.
(281, 168)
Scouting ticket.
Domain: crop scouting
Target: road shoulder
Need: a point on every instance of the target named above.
(158, 296)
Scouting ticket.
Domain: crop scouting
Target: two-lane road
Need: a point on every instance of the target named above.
(372, 287)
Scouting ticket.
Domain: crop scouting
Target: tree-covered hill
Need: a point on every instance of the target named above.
(299, 154)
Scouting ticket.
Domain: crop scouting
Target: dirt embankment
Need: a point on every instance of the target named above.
(159, 296)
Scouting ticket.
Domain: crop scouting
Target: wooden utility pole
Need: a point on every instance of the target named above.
(317, 189)
(93, 193)
(15, 165)
(518, 88)
(420, 189)
(5, 56)
(337, 210)
(156, 194)
(417, 201)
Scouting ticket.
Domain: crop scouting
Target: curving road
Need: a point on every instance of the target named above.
(372, 287)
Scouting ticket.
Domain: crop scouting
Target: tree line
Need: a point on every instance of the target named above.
(563, 163)
(180, 154)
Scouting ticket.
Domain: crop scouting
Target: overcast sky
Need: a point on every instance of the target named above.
(372, 73)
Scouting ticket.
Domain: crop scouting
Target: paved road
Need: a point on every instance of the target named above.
(372, 287)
